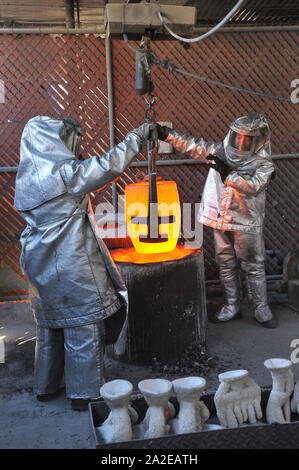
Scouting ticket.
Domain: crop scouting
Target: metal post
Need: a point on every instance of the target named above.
(110, 109)
(78, 13)
(69, 14)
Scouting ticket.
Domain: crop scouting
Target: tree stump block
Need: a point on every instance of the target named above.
(167, 305)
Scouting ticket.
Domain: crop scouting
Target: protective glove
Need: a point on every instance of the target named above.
(145, 131)
(219, 166)
(162, 131)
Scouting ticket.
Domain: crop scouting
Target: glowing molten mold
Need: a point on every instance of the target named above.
(153, 228)
(129, 255)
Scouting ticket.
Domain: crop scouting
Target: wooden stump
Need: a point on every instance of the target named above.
(167, 307)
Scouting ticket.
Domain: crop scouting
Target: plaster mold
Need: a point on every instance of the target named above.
(156, 393)
(278, 407)
(192, 412)
(118, 425)
(237, 399)
(295, 399)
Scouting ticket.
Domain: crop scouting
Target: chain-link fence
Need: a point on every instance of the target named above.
(64, 75)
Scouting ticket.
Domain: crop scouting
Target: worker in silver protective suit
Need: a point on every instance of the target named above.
(233, 204)
(74, 285)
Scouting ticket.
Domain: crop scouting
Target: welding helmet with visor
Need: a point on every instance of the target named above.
(241, 142)
(247, 135)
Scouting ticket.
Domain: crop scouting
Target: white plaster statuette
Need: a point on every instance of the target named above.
(193, 413)
(295, 399)
(156, 393)
(237, 399)
(118, 425)
(278, 407)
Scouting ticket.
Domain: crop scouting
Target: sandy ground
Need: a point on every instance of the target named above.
(29, 424)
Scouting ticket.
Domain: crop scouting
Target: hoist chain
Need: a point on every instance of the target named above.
(150, 113)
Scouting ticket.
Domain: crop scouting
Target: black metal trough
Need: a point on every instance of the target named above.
(250, 436)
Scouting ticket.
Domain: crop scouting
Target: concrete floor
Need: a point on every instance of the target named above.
(29, 424)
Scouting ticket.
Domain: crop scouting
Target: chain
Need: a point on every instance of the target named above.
(150, 113)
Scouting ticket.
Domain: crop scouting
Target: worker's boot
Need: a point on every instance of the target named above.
(49, 396)
(81, 404)
(231, 307)
(262, 311)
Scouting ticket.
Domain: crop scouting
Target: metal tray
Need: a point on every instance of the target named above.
(248, 436)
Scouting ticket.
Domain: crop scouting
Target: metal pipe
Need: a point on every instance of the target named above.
(110, 109)
(290, 156)
(78, 13)
(101, 30)
(193, 161)
(189, 161)
(249, 29)
(269, 277)
(69, 14)
(53, 30)
(8, 169)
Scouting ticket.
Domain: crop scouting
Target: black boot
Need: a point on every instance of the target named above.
(80, 404)
(49, 396)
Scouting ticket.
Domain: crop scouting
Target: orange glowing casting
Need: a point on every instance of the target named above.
(153, 229)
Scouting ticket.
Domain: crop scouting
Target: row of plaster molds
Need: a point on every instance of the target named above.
(237, 400)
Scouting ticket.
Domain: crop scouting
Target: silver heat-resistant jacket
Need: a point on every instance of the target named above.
(73, 279)
(239, 203)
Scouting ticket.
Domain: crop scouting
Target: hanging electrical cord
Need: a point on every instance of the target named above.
(128, 44)
(208, 33)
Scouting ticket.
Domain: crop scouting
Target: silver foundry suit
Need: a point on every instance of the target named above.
(73, 282)
(236, 209)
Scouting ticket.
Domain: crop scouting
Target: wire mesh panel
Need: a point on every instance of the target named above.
(48, 75)
(63, 75)
(264, 62)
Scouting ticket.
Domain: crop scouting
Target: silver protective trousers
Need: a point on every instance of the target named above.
(246, 251)
(76, 352)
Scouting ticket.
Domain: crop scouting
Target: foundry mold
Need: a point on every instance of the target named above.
(278, 407)
(192, 412)
(118, 425)
(237, 399)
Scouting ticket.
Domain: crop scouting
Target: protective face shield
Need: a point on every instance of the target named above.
(247, 135)
(241, 142)
(70, 135)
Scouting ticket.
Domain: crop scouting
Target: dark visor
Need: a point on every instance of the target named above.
(70, 134)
